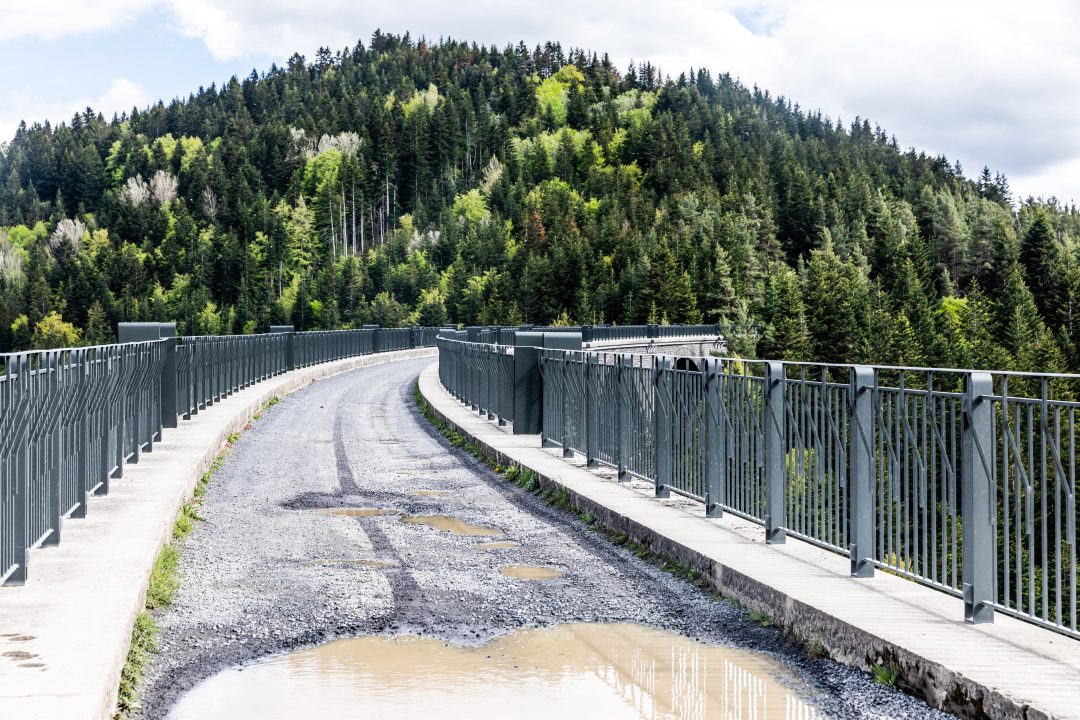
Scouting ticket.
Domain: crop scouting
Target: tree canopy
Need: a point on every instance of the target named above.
(402, 181)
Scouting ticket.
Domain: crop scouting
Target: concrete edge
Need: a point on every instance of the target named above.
(285, 386)
(851, 645)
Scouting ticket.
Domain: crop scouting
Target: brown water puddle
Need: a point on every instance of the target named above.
(360, 562)
(531, 572)
(449, 524)
(497, 545)
(616, 672)
(359, 512)
(429, 493)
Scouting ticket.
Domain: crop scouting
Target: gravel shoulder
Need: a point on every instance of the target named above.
(268, 572)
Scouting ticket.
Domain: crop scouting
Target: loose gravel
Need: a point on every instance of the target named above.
(266, 572)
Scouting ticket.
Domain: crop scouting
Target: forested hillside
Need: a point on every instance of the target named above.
(405, 182)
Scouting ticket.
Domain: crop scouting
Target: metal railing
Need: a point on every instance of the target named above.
(209, 368)
(481, 375)
(597, 333)
(70, 419)
(963, 481)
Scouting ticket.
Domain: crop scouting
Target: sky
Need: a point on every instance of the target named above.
(986, 83)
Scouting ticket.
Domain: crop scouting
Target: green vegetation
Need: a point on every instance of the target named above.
(161, 591)
(885, 673)
(143, 643)
(815, 649)
(399, 181)
(164, 580)
(761, 617)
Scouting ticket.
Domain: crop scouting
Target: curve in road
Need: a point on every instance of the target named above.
(269, 570)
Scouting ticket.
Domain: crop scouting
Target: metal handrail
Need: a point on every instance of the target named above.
(962, 480)
(72, 418)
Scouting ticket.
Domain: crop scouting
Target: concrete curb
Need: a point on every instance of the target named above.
(66, 633)
(991, 685)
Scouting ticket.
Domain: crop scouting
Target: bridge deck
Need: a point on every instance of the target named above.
(1006, 667)
(64, 636)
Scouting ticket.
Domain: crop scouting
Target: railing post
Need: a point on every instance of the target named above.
(567, 405)
(290, 344)
(82, 438)
(592, 410)
(715, 445)
(127, 332)
(168, 377)
(861, 471)
(21, 498)
(52, 462)
(528, 400)
(662, 425)
(490, 385)
(976, 496)
(622, 416)
(775, 453)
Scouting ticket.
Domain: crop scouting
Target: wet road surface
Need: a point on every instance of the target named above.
(272, 570)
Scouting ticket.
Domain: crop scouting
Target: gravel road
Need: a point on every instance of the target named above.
(264, 573)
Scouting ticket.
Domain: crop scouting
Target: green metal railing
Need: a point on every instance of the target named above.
(71, 419)
(964, 481)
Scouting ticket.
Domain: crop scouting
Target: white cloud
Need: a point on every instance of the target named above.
(120, 96)
(59, 18)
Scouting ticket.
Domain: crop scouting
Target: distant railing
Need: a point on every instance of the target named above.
(964, 481)
(597, 333)
(71, 419)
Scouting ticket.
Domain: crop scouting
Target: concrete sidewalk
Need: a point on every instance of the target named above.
(64, 636)
(1010, 669)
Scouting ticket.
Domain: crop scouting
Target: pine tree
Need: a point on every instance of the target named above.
(1042, 267)
(786, 334)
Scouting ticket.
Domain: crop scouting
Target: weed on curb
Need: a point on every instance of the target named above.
(885, 673)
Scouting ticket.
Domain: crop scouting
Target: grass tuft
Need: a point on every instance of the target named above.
(885, 673)
(761, 617)
(815, 649)
(143, 643)
(164, 579)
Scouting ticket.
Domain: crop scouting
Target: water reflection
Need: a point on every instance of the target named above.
(571, 671)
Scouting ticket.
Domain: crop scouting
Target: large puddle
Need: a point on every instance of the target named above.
(570, 671)
(449, 524)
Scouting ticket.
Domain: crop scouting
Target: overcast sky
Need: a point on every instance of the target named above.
(988, 83)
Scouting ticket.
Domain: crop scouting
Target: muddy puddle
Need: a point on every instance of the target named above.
(531, 572)
(571, 671)
(359, 512)
(449, 524)
(497, 545)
